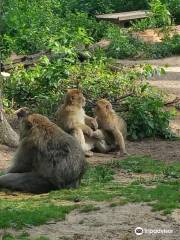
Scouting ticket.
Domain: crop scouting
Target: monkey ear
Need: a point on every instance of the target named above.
(22, 112)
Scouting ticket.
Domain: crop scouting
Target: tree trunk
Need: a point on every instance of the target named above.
(7, 135)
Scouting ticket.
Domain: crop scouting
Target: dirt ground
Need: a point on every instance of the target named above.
(158, 149)
(110, 223)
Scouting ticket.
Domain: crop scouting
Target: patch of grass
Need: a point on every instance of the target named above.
(97, 185)
(100, 174)
(172, 171)
(144, 164)
(21, 213)
(89, 208)
(139, 164)
(21, 237)
(165, 196)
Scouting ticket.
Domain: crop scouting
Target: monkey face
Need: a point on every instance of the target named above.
(75, 97)
(102, 107)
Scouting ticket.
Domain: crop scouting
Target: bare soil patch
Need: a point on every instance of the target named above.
(155, 35)
(157, 149)
(109, 223)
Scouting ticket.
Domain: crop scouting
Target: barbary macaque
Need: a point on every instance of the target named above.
(47, 158)
(113, 128)
(71, 118)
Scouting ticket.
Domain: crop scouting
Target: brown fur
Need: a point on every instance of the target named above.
(113, 127)
(72, 118)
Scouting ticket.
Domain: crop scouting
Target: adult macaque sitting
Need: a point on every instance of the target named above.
(71, 118)
(47, 158)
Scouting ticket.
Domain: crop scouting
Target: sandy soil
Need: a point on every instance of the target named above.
(158, 149)
(109, 223)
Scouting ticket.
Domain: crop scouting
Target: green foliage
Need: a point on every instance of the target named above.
(161, 15)
(99, 174)
(22, 237)
(41, 26)
(21, 213)
(56, 26)
(146, 118)
(42, 87)
(174, 8)
(125, 45)
(139, 164)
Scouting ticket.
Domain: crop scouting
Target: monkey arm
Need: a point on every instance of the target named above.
(91, 122)
(119, 139)
(85, 128)
(22, 161)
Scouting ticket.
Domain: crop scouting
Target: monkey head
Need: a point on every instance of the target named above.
(33, 122)
(22, 112)
(75, 97)
(102, 108)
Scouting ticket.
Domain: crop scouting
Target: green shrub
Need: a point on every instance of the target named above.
(146, 118)
(42, 88)
(174, 8)
(124, 45)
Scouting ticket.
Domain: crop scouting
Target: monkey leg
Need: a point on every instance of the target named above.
(79, 135)
(120, 142)
(26, 182)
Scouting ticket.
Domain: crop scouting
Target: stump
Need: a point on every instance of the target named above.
(7, 135)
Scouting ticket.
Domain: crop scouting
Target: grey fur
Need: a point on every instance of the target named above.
(47, 158)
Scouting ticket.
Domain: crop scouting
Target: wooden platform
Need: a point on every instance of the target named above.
(124, 16)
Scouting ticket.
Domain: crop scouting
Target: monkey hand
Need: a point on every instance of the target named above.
(88, 131)
(94, 124)
(98, 134)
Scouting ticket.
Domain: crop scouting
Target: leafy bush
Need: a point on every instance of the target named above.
(43, 87)
(146, 118)
(56, 26)
(124, 45)
(174, 8)
(106, 6)
(41, 23)
(159, 16)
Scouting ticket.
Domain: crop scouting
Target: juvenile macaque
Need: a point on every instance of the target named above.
(113, 128)
(71, 118)
(47, 158)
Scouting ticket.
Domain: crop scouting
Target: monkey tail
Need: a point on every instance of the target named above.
(25, 182)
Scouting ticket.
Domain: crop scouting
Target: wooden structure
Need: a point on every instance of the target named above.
(123, 17)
